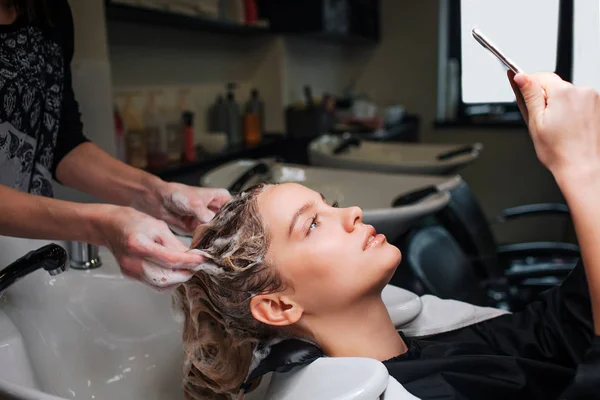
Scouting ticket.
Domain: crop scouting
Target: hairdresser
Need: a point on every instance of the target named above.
(42, 139)
(564, 123)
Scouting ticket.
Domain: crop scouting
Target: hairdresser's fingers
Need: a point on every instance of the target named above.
(167, 239)
(152, 274)
(212, 199)
(162, 248)
(184, 226)
(127, 273)
(519, 96)
(171, 258)
(162, 278)
(204, 214)
(190, 223)
(130, 266)
(219, 197)
(157, 288)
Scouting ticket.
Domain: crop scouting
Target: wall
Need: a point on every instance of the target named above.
(404, 69)
(147, 58)
(324, 66)
(91, 82)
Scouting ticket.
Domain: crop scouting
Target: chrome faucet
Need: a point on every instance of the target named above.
(52, 258)
(83, 255)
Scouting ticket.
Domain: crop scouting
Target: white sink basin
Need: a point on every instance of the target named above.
(391, 157)
(96, 335)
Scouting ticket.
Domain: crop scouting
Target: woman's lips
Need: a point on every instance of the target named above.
(374, 241)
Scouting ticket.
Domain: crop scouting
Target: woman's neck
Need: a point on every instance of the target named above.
(8, 14)
(365, 330)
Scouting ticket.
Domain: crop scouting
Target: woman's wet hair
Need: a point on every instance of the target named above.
(220, 335)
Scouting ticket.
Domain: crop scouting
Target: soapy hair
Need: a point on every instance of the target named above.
(220, 335)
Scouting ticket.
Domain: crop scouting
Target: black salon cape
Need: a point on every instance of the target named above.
(532, 354)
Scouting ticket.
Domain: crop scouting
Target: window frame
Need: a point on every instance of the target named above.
(450, 47)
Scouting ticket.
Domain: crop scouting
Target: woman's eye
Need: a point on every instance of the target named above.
(313, 224)
(335, 204)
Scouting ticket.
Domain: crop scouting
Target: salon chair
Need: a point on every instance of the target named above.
(441, 268)
(528, 268)
(298, 370)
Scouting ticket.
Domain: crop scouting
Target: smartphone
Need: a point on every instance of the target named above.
(487, 44)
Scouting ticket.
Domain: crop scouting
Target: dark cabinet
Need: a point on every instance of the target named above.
(334, 18)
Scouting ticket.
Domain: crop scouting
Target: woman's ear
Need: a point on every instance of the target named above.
(275, 309)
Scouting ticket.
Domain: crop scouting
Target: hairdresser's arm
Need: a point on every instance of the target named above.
(144, 247)
(36, 217)
(90, 169)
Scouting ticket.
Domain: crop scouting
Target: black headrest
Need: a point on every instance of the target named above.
(283, 357)
(258, 169)
(346, 143)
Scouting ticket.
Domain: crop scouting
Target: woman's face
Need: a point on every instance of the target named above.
(327, 255)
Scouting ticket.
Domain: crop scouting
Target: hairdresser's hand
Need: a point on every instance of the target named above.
(183, 207)
(564, 122)
(145, 247)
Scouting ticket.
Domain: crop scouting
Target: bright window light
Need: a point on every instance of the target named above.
(586, 37)
(525, 31)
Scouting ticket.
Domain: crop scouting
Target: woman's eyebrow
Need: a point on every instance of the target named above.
(301, 211)
(297, 215)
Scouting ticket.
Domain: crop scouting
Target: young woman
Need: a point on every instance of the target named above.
(287, 264)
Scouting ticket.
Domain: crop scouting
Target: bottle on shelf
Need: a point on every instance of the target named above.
(233, 124)
(250, 12)
(187, 124)
(156, 138)
(174, 134)
(253, 119)
(217, 116)
(135, 134)
(120, 135)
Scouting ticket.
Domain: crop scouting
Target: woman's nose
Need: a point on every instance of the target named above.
(353, 216)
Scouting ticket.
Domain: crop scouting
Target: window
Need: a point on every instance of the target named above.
(586, 37)
(533, 48)
(473, 88)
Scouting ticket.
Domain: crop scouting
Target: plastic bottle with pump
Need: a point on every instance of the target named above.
(187, 119)
(233, 128)
(135, 136)
(218, 116)
(120, 130)
(253, 119)
(156, 140)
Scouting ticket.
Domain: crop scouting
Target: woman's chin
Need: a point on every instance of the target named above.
(395, 256)
(390, 266)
